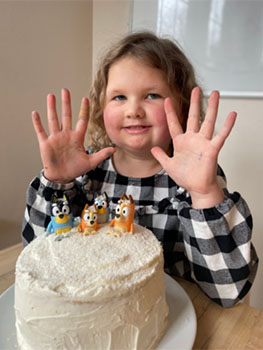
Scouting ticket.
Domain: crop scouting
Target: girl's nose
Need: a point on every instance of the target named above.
(134, 110)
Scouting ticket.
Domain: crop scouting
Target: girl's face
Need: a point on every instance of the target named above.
(134, 115)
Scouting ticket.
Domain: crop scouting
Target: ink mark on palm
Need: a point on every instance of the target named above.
(200, 156)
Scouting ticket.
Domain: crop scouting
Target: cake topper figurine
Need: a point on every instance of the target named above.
(124, 213)
(61, 216)
(89, 221)
(102, 204)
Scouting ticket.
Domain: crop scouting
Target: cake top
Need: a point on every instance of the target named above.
(90, 267)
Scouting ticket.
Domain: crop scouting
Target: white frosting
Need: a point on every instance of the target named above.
(91, 292)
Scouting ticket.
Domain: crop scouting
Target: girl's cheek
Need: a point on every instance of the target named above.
(109, 122)
(106, 116)
(161, 117)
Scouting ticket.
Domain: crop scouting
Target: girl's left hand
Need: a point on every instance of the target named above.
(194, 162)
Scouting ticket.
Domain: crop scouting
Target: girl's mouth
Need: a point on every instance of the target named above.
(136, 129)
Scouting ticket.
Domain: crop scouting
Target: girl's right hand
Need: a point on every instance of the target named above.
(62, 151)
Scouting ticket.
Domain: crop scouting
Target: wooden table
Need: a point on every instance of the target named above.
(240, 327)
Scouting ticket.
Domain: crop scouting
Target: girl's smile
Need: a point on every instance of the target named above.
(136, 129)
(134, 115)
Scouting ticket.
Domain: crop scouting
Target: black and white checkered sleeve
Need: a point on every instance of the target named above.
(218, 246)
(37, 212)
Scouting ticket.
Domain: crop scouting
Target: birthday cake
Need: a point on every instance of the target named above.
(101, 289)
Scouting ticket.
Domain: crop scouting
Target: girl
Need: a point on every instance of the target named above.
(146, 127)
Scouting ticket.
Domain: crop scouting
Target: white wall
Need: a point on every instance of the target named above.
(241, 158)
(44, 46)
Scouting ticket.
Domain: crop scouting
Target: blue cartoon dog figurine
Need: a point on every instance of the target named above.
(61, 217)
(102, 205)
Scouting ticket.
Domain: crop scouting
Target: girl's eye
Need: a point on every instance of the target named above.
(119, 98)
(153, 96)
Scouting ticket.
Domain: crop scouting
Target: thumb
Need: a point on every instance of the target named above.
(96, 158)
(161, 156)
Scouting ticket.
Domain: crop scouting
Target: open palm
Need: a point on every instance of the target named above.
(194, 162)
(62, 151)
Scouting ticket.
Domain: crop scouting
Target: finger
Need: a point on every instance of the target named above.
(208, 126)
(53, 124)
(83, 118)
(174, 125)
(161, 157)
(40, 131)
(193, 121)
(219, 140)
(66, 110)
(98, 157)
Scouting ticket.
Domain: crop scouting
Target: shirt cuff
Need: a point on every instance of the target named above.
(55, 185)
(186, 211)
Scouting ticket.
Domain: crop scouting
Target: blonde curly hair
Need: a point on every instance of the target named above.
(160, 53)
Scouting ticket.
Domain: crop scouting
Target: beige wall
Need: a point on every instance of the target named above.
(44, 46)
(111, 20)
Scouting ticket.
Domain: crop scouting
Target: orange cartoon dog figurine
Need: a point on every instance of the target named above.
(89, 221)
(123, 221)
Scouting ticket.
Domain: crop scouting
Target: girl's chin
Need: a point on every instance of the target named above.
(139, 146)
(133, 148)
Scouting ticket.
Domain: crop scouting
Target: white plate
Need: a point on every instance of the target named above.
(181, 329)
(179, 335)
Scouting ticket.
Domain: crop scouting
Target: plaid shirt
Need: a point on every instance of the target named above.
(211, 246)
